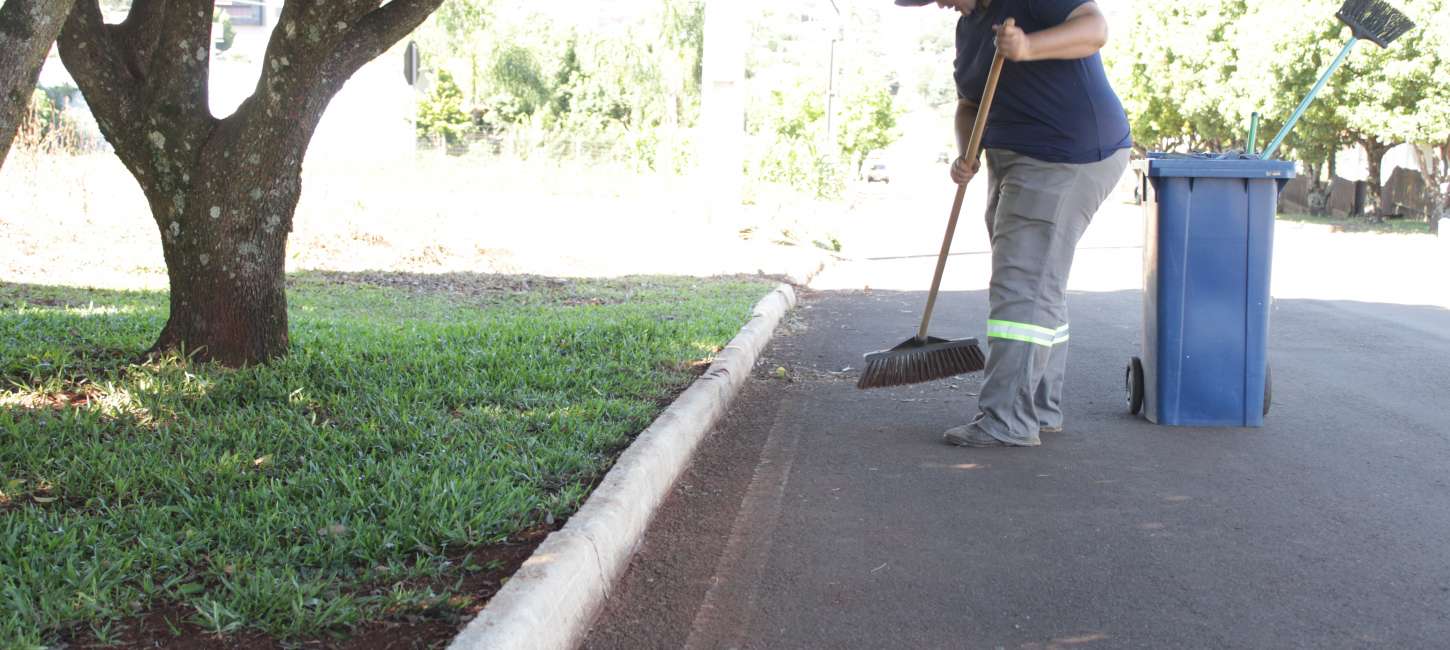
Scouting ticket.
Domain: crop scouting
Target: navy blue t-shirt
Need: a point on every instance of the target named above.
(1057, 110)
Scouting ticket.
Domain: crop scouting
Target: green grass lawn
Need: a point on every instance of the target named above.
(416, 417)
(1363, 224)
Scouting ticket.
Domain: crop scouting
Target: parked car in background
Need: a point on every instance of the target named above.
(876, 171)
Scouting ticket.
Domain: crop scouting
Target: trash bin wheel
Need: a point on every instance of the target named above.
(1268, 388)
(1134, 380)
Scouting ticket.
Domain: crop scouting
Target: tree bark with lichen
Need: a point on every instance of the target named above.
(27, 30)
(223, 191)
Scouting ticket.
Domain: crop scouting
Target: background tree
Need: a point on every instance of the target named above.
(868, 123)
(789, 66)
(1190, 74)
(1388, 93)
(27, 31)
(441, 113)
(1302, 48)
(223, 22)
(1177, 68)
(518, 73)
(462, 24)
(1430, 124)
(223, 191)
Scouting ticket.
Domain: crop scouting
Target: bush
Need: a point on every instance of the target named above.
(48, 129)
(441, 114)
(223, 22)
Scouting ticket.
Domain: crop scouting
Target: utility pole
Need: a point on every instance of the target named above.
(838, 33)
(722, 118)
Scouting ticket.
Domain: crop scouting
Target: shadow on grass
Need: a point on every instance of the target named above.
(340, 486)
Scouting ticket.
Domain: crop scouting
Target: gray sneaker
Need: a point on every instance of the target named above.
(1044, 429)
(969, 435)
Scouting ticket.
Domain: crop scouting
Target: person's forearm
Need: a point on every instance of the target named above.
(1080, 36)
(966, 117)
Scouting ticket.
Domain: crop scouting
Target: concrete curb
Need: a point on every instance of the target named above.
(810, 265)
(552, 599)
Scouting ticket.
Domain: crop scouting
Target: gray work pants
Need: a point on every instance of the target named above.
(1036, 213)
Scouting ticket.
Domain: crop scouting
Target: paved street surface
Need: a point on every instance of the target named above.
(820, 516)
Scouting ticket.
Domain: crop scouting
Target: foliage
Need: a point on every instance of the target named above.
(60, 94)
(43, 109)
(405, 427)
(455, 34)
(1167, 58)
(868, 123)
(789, 69)
(1190, 73)
(47, 127)
(683, 31)
(575, 85)
(441, 113)
(462, 19)
(629, 86)
(792, 153)
(223, 21)
(1390, 94)
(520, 77)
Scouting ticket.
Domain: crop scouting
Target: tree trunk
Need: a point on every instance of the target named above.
(1374, 151)
(223, 192)
(27, 30)
(1442, 203)
(1434, 164)
(226, 253)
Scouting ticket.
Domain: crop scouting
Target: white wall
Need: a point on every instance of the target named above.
(1353, 165)
(370, 120)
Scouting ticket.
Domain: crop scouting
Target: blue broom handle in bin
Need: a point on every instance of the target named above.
(1253, 134)
(1304, 105)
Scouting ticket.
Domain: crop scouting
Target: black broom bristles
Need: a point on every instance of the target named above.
(916, 361)
(1374, 20)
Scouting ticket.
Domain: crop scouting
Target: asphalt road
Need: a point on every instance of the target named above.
(820, 516)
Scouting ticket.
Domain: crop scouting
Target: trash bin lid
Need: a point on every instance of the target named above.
(1232, 165)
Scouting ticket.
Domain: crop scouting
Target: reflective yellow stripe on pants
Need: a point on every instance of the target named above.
(1027, 333)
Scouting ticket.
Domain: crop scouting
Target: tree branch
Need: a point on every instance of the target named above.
(302, 39)
(318, 46)
(148, 96)
(180, 66)
(377, 31)
(137, 35)
(111, 87)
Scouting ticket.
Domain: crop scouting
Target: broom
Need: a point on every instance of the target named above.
(1372, 20)
(923, 358)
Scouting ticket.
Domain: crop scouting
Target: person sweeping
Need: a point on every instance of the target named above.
(1056, 143)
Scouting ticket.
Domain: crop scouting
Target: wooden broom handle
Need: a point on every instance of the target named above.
(973, 151)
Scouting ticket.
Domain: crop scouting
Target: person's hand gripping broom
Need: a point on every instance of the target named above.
(923, 358)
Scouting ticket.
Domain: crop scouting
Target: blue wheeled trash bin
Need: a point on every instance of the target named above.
(1206, 259)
